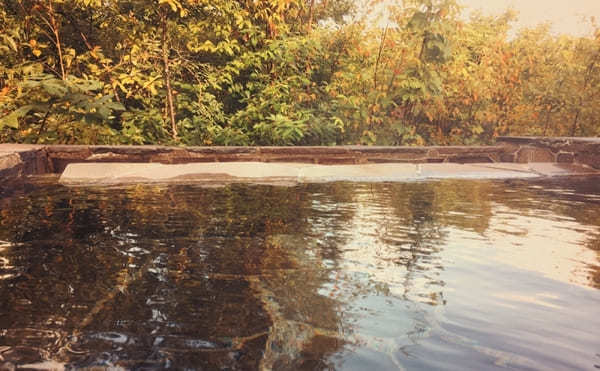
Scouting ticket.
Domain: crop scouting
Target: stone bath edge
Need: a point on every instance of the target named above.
(214, 173)
(17, 160)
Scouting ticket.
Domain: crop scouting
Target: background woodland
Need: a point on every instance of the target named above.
(286, 72)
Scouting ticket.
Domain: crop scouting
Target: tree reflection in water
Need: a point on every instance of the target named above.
(317, 276)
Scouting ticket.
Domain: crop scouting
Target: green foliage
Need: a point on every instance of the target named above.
(284, 72)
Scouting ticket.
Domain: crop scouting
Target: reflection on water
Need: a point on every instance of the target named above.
(435, 275)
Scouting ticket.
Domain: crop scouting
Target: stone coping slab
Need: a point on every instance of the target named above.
(294, 173)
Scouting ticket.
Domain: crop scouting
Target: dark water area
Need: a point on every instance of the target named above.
(451, 275)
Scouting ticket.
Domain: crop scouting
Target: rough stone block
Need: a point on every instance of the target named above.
(290, 158)
(507, 157)
(391, 159)
(21, 162)
(456, 150)
(111, 157)
(565, 157)
(391, 151)
(469, 158)
(238, 157)
(590, 159)
(304, 150)
(534, 154)
(337, 160)
(221, 150)
(433, 153)
(9, 160)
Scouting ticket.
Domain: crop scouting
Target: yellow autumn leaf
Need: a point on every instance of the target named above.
(93, 52)
(37, 52)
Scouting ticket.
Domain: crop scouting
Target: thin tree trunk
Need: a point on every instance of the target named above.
(56, 33)
(574, 127)
(167, 76)
(311, 11)
(586, 80)
(547, 123)
(381, 46)
(422, 48)
(399, 62)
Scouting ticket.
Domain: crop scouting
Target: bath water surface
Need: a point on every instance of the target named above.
(451, 275)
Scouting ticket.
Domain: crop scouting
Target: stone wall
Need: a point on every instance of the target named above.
(60, 156)
(20, 159)
(584, 151)
(17, 160)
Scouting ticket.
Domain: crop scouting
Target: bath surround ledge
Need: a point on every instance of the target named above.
(18, 160)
